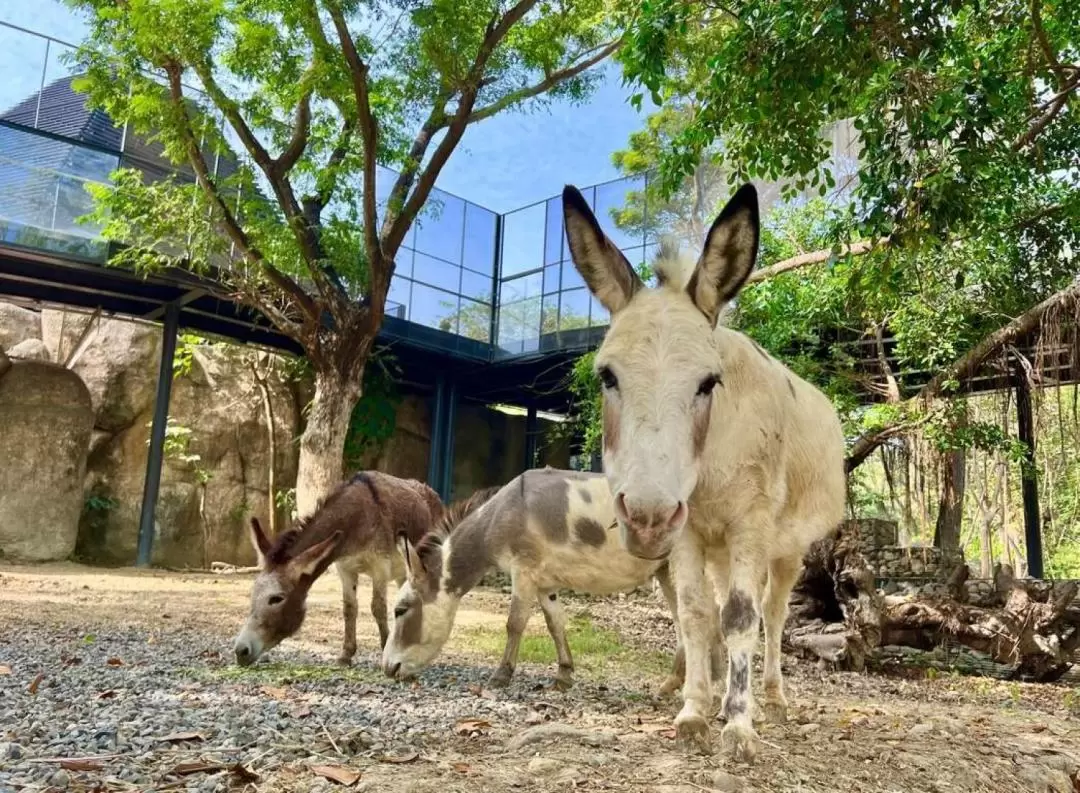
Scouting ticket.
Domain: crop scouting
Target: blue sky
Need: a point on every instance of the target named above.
(503, 163)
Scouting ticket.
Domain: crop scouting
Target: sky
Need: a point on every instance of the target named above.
(502, 163)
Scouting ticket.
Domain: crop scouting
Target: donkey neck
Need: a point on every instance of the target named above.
(470, 556)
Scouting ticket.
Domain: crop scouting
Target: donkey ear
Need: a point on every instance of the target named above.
(414, 565)
(259, 541)
(606, 271)
(729, 254)
(313, 560)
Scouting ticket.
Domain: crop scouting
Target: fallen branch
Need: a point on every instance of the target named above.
(224, 568)
(815, 257)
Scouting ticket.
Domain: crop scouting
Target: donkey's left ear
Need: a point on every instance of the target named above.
(313, 560)
(608, 274)
(413, 564)
(729, 254)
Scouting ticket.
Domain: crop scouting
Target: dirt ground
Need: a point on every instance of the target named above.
(846, 732)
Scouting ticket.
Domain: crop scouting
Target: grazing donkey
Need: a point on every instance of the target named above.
(355, 527)
(548, 529)
(721, 460)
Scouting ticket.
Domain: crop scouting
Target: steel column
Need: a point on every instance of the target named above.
(434, 475)
(157, 435)
(1029, 483)
(530, 438)
(446, 482)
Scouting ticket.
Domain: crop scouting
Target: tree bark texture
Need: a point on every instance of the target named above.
(322, 446)
(951, 506)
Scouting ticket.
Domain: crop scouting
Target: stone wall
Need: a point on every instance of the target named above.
(878, 541)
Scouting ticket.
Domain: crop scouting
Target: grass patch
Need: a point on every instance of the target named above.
(284, 673)
(594, 649)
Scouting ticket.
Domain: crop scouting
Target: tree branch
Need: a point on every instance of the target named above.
(549, 82)
(301, 131)
(1044, 42)
(369, 135)
(815, 257)
(229, 222)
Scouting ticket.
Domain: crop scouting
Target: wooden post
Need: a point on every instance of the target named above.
(1029, 484)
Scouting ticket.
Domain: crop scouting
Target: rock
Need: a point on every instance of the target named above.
(17, 324)
(60, 779)
(922, 728)
(29, 350)
(1046, 780)
(46, 418)
(806, 729)
(544, 766)
(726, 783)
(11, 751)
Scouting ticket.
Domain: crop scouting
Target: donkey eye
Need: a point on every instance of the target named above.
(608, 379)
(707, 385)
(399, 611)
(275, 599)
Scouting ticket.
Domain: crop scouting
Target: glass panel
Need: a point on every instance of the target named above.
(571, 278)
(434, 308)
(397, 300)
(436, 272)
(403, 264)
(479, 251)
(531, 322)
(474, 320)
(549, 321)
(439, 227)
(22, 57)
(553, 243)
(598, 315)
(611, 198)
(511, 326)
(634, 255)
(551, 279)
(523, 240)
(476, 285)
(574, 310)
(520, 288)
(384, 183)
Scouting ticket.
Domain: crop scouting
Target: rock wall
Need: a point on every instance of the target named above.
(878, 542)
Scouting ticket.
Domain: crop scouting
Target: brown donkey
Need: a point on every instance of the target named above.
(354, 528)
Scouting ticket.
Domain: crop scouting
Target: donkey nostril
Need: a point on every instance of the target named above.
(677, 515)
(620, 507)
(395, 669)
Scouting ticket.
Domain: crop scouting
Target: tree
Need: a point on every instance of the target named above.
(314, 94)
(968, 129)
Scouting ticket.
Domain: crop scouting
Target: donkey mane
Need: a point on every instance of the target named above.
(452, 516)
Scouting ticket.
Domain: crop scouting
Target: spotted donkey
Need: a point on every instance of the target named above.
(354, 528)
(548, 529)
(720, 459)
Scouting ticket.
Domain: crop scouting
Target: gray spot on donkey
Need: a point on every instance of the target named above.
(354, 529)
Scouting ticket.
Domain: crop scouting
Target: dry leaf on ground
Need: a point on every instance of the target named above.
(195, 767)
(36, 683)
(5, 669)
(408, 757)
(472, 727)
(275, 692)
(109, 694)
(114, 662)
(178, 737)
(462, 768)
(341, 774)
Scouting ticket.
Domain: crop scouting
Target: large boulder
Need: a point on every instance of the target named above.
(29, 350)
(118, 362)
(17, 325)
(46, 418)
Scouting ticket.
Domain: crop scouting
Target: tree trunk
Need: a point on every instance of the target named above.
(951, 507)
(322, 446)
(262, 383)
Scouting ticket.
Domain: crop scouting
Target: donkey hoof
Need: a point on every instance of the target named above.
(775, 712)
(692, 735)
(670, 686)
(564, 683)
(344, 660)
(500, 678)
(741, 742)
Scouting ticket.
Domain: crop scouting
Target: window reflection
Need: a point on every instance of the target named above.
(479, 251)
(440, 226)
(474, 320)
(399, 297)
(515, 289)
(571, 278)
(610, 199)
(598, 315)
(549, 320)
(435, 272)
(434, 308)
(551, 279)
(574, 310)
(523, 240)
(476, 285)
(553, 242)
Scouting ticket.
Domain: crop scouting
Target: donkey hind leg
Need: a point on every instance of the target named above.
(380, 577)
(555, 617)
(740, 619)
(349, 573)
(674, 680)
(521, 601)
(783, 574)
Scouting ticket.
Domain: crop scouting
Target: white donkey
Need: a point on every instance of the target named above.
(720, 458)
(548, 529)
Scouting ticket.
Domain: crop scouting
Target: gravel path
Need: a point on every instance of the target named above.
(126, 677)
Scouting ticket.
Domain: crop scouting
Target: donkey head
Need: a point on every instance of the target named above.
(659, 366)
(280, 590)
(423, 612)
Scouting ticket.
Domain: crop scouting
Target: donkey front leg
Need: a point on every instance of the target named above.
(555, 616)
(696, 609)
(349, 575)
(740, 620)
(678, 669)
(783, 573)
(521, 600)
(380, 577)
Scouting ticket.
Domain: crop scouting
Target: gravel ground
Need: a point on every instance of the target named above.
(121, 680)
